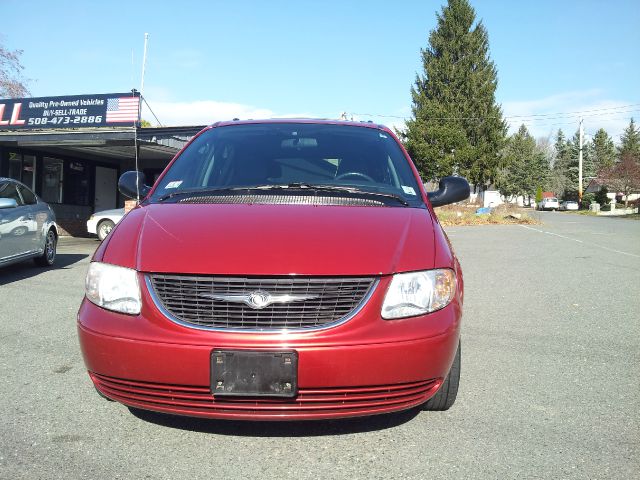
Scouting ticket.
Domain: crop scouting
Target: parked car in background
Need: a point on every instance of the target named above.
(569, 205)
(549, 203)
(278, 270)
(27, 226)
(101, 223)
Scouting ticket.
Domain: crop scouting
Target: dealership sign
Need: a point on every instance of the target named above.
(77, 111)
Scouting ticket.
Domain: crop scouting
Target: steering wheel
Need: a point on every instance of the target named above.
(355, 174)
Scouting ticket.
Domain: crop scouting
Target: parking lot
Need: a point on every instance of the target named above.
(549, 384)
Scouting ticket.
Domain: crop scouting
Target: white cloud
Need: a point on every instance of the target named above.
(205, 112)
(544, 116)
(202, 112)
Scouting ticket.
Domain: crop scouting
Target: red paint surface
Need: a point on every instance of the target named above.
(364, 366)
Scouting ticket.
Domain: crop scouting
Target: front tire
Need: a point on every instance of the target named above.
(104, 228)
(49, 255)
(446, 395)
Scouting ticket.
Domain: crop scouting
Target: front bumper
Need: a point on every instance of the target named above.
(365, 366)
(333, 381)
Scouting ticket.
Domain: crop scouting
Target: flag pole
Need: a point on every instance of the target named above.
(135, 125)
(144, 62)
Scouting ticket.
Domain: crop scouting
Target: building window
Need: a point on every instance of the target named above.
(15, 166)
(52, 180)
(29, 171)
(77, 184)
(23, 169)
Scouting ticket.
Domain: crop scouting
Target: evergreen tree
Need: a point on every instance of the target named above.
(457, 127)
(604, 152)
(558, 180)
(630, 141)
(524, 165)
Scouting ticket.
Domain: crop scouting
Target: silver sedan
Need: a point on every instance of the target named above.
(27, 226)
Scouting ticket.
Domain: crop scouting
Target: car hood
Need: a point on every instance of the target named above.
(273, 239)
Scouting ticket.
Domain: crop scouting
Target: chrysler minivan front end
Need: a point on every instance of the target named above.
(278, 270)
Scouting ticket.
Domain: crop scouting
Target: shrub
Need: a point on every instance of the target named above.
(587, 199)
(601, 196)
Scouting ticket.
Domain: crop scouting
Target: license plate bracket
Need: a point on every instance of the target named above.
(244, 373)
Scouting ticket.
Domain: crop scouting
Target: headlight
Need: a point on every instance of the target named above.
(417, 293)
(114, 288)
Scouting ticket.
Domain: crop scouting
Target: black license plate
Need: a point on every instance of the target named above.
(253, 373)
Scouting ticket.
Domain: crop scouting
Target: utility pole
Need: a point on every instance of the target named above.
(580, 165)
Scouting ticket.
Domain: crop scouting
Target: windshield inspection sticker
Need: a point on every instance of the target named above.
(408, 190)
(174, 184)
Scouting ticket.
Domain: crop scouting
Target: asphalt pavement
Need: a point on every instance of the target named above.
(549, 385)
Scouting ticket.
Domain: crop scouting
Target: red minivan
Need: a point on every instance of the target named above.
(278, 270)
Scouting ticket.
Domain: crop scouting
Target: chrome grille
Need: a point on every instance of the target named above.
(185, 298)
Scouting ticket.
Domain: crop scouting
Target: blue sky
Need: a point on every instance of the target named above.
(212, 60)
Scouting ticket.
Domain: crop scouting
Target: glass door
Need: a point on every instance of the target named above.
(52, 180)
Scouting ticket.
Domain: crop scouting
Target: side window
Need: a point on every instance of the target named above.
(27, 195)
(9, 190)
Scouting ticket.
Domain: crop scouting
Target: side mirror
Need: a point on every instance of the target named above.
(450, 190)
(8, 203)
(131, 183)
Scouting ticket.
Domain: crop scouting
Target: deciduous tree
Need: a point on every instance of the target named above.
(12, 83)
(623, 177)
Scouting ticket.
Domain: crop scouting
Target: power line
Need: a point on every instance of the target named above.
(597, 112)
(579, 112)
(571, 116)
(567, 122)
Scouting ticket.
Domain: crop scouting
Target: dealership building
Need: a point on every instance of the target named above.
(71, 150)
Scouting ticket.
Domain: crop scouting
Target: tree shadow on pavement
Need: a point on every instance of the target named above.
(311, 428)
(27, 269)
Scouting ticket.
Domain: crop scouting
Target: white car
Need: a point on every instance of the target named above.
(569, 205)
(101, 223)
(549, 203)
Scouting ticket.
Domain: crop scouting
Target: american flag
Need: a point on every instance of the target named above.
(123, 109)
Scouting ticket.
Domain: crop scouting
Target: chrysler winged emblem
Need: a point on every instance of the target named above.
(258, 299)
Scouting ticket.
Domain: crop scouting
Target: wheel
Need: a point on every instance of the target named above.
(355, 174)
(104, 228)
(49, 255)
(19, 231)
(446, 395)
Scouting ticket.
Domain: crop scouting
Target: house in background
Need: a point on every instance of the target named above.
(71, 150)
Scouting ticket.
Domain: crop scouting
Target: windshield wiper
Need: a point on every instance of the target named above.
(205, 191)
(291, 186)
(347, 189)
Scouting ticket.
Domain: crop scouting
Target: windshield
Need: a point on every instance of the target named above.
(349, 159)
